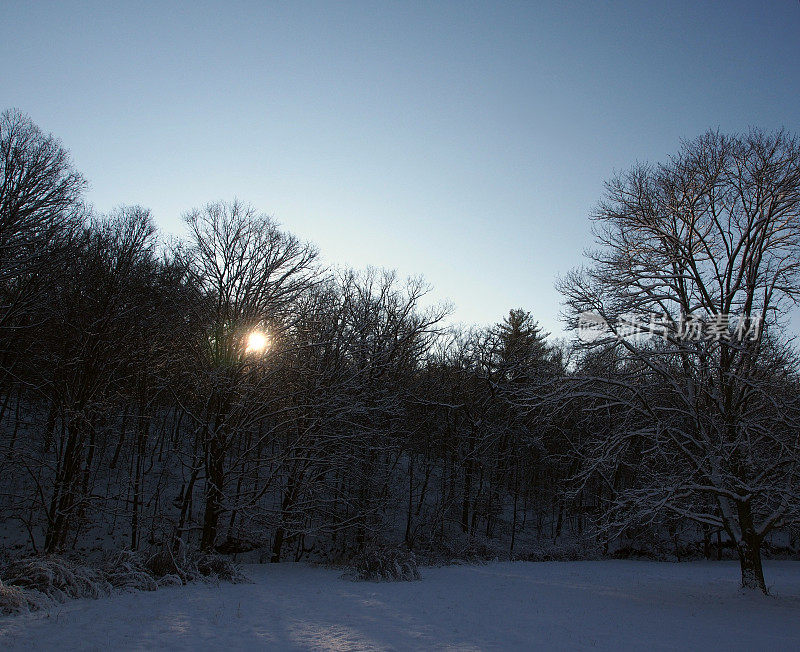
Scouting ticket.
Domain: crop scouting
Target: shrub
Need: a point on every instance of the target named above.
(32, 583)
(188, 566)
(125, 569)
(164, 562)
(14, 600)
(384, 564)
(170, 580)
(56, 577)
(219, 567)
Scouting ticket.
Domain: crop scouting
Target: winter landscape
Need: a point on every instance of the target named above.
(399, 326)
(607, 605)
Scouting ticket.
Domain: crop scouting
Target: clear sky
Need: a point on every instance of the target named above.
(466, 142)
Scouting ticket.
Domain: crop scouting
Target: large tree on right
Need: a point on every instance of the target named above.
(701, 254)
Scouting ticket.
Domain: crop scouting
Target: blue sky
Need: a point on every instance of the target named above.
(467, 142)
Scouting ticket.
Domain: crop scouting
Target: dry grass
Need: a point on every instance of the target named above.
(384, 564)
(35, 582)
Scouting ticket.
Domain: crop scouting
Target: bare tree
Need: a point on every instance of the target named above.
(40, 204)
(250, 273)
(83, 368)
(706, 250)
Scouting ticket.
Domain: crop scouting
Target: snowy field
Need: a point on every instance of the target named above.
(517, 606)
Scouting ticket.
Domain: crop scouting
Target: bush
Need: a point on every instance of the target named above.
(164, 562)
(125, 569)
(383, 564)
(182, 565)
(34, 582)
(170, 580)
(220, 568)
(56, 577)
(14, 600)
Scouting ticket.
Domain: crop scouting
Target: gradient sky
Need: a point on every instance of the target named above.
(467, 142)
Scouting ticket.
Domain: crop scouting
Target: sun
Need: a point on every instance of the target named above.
(257, 342)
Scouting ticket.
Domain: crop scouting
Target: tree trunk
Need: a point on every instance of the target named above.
(749, 549)
(287, 503)
(214, 480)
(750, 561)
(67, 485)
(409, 515)
(467, 495)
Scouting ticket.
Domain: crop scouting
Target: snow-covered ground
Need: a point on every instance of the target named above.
(517, 606)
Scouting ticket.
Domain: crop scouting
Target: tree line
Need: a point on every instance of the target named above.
(137, 409)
